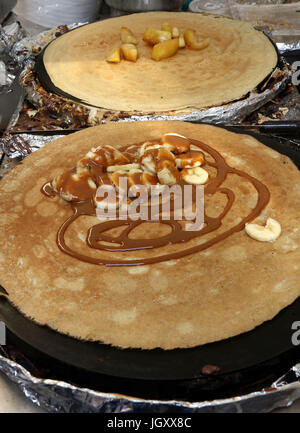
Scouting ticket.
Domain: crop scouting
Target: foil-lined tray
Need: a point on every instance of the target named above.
(75, 115)
(59, 396)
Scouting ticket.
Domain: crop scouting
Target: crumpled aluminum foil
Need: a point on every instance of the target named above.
(291, 46)
(29, 46)
(4, 78)
(21, 145)
(9, 35)
(59, 396)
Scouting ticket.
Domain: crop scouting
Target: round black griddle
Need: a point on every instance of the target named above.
(49, 86)
(246, 362)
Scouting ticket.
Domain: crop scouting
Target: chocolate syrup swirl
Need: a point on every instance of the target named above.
(123, 243)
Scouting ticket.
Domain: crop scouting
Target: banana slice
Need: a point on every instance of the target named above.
(166, 27)
(148, 164)
(125, 167)
(167, 173)
(194, 176)
(103, 155)
(127, 37)
(114, 56)
(175, 32)
(268, 233)
(189, 160)
(74, 186)
(153, 36)
(148, 146)
(191, 40)
(148, 180)
(176, 143)
(105, 203)
(181, 41)
(129, 52)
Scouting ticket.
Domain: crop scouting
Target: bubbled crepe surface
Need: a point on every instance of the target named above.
(236, 61)
(228, 289)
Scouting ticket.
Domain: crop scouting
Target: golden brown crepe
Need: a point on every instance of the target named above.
(220, 292)
(236, 61)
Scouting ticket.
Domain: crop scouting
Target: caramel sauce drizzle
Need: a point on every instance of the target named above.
(123, 242)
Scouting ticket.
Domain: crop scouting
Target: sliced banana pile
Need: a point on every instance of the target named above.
(157, 164)
(172, 160)
(165, 162)
(165, 43)
(267, 233)
(126, 50)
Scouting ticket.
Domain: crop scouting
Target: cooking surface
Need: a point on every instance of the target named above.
(139, 362)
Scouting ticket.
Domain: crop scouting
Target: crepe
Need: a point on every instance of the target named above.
(227, 289)
(236, 61)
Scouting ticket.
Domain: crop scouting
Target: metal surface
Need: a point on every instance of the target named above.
(289, 128)
(145, 5)
(245, 351)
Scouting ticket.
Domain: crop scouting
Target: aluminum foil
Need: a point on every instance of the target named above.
(285, 46)
(21, 145)
(59, 396)
(9, 35)
(30, 46)
(4, 77)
